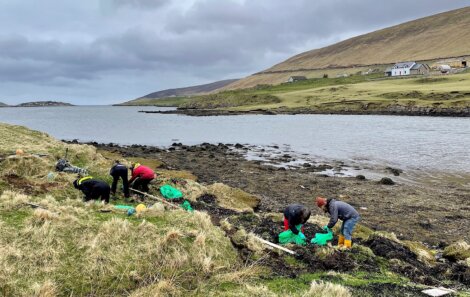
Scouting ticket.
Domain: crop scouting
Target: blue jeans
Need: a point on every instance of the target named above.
(348, 227)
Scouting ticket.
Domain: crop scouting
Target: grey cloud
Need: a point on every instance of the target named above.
(141, 4)
(163, 43)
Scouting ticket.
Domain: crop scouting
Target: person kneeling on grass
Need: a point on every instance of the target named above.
(295, 214)
(141, 177)
(343, 211)
(93, 188)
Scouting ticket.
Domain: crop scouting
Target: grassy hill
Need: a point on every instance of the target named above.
(63, 246)
(168, 97)
(358, 94)
(438, 36)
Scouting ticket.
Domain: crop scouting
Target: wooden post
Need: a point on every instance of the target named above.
(275, 246)
(156, 198)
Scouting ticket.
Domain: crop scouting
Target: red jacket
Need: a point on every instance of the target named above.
(143, 172)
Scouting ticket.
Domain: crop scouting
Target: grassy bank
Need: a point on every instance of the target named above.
(358, 93)
(161, 102)
(67, 247)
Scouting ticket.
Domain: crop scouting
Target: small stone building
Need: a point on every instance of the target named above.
(420, 69)
(296, 78)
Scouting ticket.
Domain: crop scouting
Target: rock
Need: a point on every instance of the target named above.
(386, 181)
(360, 177)
(426, 224)
(307, 165)
(394, 171)
(239, 146)
(281, 169)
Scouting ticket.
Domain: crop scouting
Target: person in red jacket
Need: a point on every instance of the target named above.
(141, 177)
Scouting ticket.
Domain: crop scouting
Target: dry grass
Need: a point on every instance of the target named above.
(459, 250)
(233, 198)
(90, 256)
(324, 289)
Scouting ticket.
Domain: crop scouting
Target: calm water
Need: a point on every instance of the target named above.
(418, 143)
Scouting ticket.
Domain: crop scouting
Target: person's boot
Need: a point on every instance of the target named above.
(347, 243)
(340, 241)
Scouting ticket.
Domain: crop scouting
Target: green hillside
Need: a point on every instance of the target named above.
(368, 94)
(434, 37)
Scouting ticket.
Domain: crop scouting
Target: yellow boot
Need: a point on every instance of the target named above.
(347, 243)
(340, 241)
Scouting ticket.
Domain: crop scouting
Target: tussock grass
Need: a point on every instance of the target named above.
(67, 248)
(459, 250)
(233, 198)
(325, 289)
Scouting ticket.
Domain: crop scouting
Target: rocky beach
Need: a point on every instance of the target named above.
(435, 214)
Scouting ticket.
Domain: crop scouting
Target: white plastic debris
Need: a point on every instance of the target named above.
(436, 292)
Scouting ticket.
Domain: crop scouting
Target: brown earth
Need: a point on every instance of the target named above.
(424, 213)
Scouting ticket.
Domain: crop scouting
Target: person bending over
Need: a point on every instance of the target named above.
(294, 215)
(119, 171)
(141, 177)
(92, 188)
(343, 211)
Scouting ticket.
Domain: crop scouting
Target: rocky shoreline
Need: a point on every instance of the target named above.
(396, 110)
(431, 214)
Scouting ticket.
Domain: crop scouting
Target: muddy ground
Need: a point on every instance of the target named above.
(431, 214)
(384, 254)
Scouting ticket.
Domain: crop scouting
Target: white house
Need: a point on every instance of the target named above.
(402, 68)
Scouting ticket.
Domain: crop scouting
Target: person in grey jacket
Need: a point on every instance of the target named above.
(343, 211)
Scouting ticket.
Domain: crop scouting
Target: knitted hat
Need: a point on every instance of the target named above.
(320, 201)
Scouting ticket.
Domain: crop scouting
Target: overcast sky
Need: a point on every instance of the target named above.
(109, 51)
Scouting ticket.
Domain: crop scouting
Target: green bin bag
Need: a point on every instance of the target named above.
(170, 193)
(289, 237)
(322, 238)
(187, 206)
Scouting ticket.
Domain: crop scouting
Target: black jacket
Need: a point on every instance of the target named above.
(118, 170)
(293, 214)
(93, 188)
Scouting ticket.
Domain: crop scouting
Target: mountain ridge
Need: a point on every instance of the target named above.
(434, 37)
(182, 92)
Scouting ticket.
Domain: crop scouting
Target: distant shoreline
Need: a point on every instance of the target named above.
(393, 110)
(40, 104)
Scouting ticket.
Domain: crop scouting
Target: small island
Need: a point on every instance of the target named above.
(43, 104)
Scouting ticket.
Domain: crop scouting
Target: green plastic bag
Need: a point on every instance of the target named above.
(322, 238)
(125, 207)
(170, 193)
(187, 206)
(289, 237)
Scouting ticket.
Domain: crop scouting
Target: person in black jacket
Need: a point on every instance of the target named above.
(119, 171)
(294, 215)
(93, 188)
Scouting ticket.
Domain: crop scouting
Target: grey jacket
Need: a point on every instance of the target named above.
(339, 210)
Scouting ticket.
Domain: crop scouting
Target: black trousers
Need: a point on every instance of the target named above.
(141, 184)
(97, 192)
(125, 183)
